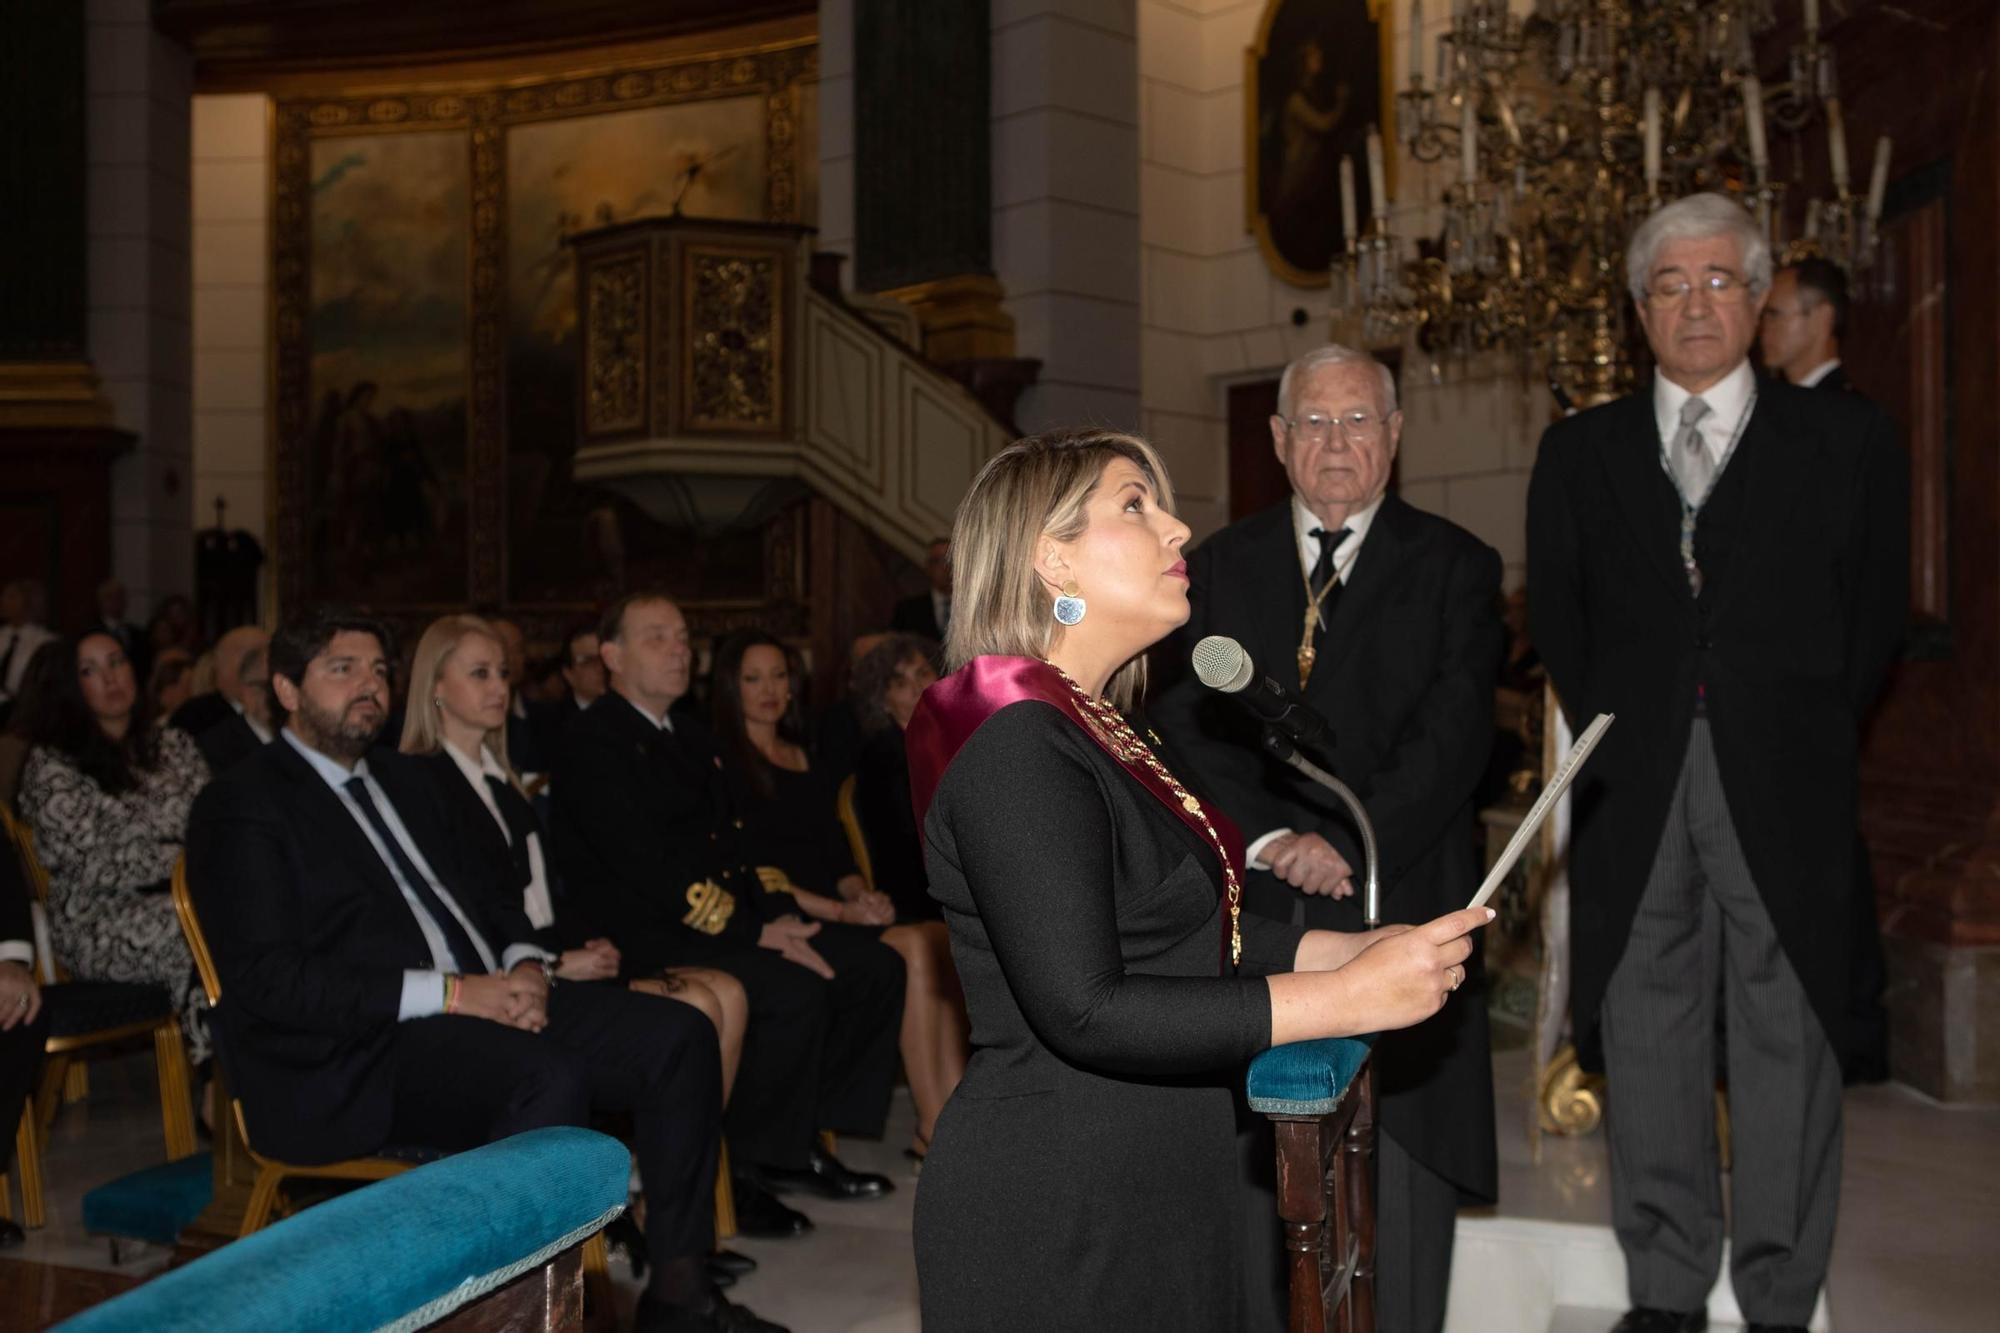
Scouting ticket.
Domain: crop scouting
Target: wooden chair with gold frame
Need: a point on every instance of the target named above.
(850, 822)
(272, 1173)
(88, 1018)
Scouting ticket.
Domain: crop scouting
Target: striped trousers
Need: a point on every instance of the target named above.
(1701, 935)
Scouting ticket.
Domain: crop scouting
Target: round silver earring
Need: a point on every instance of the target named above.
(1069, 606)
(437, 703)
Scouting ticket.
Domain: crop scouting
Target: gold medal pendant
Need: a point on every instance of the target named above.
(1307, 653)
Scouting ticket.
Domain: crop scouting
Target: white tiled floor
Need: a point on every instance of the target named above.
(1920, 1214)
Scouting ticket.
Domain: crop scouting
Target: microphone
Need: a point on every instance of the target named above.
(1222, 664)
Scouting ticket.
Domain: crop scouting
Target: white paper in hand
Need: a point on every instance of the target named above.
(1544, 804)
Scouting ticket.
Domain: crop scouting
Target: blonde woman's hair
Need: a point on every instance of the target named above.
(422, 731)
(1033, 489)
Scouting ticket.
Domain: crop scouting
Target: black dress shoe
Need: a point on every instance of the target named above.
(1645, 1319)
(11, 1234)
(758, 1212)
(825, 1176)
(720, 1317)
(732, 1263)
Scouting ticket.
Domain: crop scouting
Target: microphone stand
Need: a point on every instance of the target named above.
(1281, 747)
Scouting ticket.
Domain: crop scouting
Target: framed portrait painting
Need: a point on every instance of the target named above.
(1314, 85)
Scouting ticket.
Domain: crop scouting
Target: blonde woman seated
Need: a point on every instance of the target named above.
(457, 719)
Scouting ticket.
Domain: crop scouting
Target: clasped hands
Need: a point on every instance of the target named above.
(519, 999)
(1309, 863)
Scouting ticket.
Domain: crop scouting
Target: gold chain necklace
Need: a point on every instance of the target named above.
(1129, 749)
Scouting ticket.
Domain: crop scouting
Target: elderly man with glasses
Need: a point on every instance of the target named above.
(1723, 564)
(1387, 618)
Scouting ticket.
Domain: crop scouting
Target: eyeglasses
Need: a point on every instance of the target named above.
(1317, 428)
(1673, 291)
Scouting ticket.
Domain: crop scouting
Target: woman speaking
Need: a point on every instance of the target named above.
(1084, 1174)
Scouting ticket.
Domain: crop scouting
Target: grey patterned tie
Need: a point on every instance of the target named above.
(1693, 469)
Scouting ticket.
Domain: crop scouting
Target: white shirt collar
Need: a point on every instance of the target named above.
(476, 770)
(257, 729)
(1727, 398)
(1818, 373)
(1305, 520)
(330, 772)
(663, 722)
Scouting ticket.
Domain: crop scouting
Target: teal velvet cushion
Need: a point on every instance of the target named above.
(399, 1253)
(153, 1204)
(1305, 1077)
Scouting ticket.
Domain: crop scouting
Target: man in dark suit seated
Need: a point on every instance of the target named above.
(376, 995)
(650, 851)
(1400, 652)
(213, 707)
(248, 728)
(583, 672)
(22, 1026)
(929, 612)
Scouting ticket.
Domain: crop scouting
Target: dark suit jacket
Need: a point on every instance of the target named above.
(228, 743)
(201, 712)
(916, 615)
(482, 841)
(1837, 381)
(641, 823)
(1405, 678)
(311, 937)
(1804, 549)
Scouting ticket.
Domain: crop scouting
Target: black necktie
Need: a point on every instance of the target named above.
(520, 822)
(1323, 570)
(464, 953)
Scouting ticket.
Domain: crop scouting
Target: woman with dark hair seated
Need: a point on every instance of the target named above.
(888, 681)
(789, 818)
(107, 792)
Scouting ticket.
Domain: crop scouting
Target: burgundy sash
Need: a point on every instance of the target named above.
(956, 706)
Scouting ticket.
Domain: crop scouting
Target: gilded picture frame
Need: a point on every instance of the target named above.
(1313, 83)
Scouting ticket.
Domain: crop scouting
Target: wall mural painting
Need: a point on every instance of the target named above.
(388, 326)
(424, 307)
(1314, 85)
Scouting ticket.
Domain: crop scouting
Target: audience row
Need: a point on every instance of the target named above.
(486, 916)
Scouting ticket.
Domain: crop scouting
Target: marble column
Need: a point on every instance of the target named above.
(1065, 135)
(138, 241)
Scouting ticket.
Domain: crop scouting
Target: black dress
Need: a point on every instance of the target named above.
(1084, 1175)
(791, 823)
(895, 848)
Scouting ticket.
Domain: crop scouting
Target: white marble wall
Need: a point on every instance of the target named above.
(137, 85)
(1213, 314)
(1066, 204)
(232, 249)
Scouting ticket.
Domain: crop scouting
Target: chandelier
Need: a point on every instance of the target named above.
(1568, 125)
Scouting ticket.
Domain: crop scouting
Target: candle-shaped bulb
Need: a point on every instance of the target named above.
(1836, 145)
(1468, 137)
(1753, 122)
(1378, 188)
(1347, 229)
(1812, 18)
(1652, 140)
(1878, 180)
